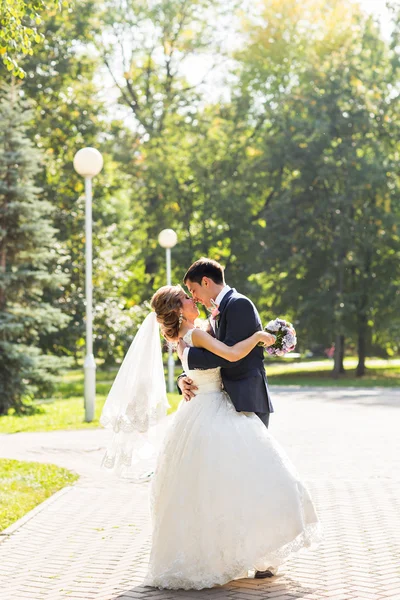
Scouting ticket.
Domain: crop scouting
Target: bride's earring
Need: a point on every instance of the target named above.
(180, 319)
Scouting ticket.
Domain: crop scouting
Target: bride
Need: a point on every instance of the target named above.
(225, 498)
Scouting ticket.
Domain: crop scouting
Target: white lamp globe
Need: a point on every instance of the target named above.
(88, 162)
(167, 238)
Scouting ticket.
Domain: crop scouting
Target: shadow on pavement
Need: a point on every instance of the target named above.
(268, 589)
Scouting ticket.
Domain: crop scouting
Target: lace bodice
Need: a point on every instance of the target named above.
(208, 380)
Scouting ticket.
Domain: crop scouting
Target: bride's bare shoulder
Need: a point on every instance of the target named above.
(203, 328)
(197, 336)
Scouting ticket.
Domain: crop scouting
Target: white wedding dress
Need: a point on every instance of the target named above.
(225, 497)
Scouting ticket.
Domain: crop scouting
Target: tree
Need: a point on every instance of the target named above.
(69, 113)
(29, 261)
(146, 48)
(326, 156)
(19, 21)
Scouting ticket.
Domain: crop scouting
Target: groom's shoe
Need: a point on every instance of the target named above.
(264, 574)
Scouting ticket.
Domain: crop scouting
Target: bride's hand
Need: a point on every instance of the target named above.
(268, 339)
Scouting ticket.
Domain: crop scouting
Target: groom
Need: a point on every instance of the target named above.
(234, 318)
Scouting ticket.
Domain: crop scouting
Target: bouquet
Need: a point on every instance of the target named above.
(285, 335)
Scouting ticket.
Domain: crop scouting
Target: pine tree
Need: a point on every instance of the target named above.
(29, 262)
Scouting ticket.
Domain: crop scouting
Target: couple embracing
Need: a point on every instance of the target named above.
(225, 497)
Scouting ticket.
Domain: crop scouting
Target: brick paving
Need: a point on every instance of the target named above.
(91, 541)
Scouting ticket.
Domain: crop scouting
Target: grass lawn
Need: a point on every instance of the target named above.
(380, 373)
(24, 485)
(65, 410)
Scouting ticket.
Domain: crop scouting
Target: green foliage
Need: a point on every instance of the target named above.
(289, 179)
(69, 114)
(24, 485)
(290, 182)
(154, 43)
(19, 20)
(145, 45)
(326, 151)
(29, 261)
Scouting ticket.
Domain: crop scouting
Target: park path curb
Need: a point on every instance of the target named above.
(32, 513)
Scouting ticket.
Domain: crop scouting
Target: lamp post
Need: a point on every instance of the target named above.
(88, 163)
(168, 239)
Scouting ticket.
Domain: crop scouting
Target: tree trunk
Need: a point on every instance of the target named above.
(2, 272)
(341, 355)
(362, 346)
(338, 367)
(363, 312)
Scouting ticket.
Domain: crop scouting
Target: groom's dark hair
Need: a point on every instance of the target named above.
(205, 267)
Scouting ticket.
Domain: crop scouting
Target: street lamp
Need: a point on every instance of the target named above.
(88, 163)
(168, 239)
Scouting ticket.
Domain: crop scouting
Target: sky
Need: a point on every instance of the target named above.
(378, 8)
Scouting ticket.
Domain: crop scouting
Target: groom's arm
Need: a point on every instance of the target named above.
(241, 323)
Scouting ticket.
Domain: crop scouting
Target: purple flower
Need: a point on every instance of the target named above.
(285, 337)
(289, 339)
(273, 325)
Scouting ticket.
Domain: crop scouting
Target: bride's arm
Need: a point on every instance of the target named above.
(201, 339)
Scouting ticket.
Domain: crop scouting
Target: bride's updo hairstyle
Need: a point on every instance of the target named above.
(167, 304)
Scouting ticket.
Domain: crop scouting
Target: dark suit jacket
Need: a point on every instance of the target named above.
(245, 380)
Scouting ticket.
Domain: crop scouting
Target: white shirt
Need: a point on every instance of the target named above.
(222, 294)
(218, 301)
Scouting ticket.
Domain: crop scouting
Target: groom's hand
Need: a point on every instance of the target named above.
(188, 388)
(270, 339)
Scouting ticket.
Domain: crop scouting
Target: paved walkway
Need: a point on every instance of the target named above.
(91, 541)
